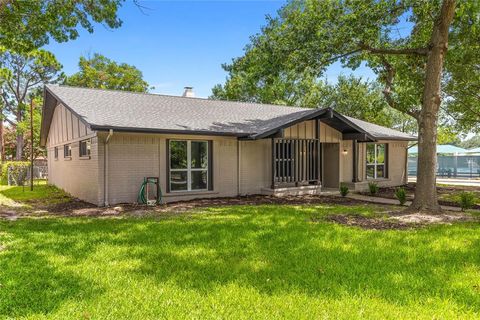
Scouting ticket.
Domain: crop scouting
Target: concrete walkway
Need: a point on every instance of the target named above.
(387, 201)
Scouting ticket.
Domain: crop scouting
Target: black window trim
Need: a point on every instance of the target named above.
(209, 166)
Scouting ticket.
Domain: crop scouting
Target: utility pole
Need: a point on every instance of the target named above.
(31, 144)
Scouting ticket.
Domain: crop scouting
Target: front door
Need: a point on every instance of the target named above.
(331, 165)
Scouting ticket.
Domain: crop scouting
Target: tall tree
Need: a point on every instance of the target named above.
(27, 25)
(20, 73)
(405, 42)
(103, 73)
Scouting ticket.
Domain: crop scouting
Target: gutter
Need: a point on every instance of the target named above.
(105, 169)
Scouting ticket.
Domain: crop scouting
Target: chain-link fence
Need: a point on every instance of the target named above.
(20, 176)
(461, 166)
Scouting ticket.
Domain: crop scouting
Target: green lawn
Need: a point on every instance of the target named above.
(243, 262)
(22, 197)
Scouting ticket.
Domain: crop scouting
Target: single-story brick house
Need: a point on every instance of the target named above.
(102, 143)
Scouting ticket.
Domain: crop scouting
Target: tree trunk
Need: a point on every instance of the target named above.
(426, 190)
(2, 143)
(19, 148)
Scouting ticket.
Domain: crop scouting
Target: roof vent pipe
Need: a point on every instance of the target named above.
(188, 92)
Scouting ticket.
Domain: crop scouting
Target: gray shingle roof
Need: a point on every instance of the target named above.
(103, 109)
(380, 132)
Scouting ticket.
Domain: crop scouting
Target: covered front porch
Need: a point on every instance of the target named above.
(311, 162)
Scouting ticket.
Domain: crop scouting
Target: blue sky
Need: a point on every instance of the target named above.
(178, 43)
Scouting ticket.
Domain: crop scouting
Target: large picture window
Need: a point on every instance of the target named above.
(189, 165)
(376, 158)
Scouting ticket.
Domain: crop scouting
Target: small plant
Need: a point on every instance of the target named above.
(401, 195)
(467, 200)
(343, 190)
(373, 188)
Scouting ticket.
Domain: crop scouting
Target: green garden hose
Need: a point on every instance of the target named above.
(142, 196)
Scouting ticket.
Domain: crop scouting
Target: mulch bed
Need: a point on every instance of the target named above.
(390, 220)
(389, 193)
(75, 207)
(399, 220)
(372, 223)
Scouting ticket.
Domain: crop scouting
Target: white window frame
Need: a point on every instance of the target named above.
(189, 168)
(375, 163)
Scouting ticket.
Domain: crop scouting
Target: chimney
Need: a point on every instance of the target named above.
(188, 92)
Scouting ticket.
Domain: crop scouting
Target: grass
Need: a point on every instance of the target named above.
(22, 197)
(243, 262)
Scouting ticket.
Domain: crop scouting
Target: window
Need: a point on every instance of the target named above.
(189, 165)
(67, 151)
(55, 151)
(376, 156)
(85, 146)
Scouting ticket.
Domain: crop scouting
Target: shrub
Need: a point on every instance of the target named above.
(343, 189)
(14, 172)
(401, 195)
(373, 187)
(467, 200)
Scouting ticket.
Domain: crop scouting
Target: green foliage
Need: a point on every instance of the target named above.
(27, 25)
(401, 195)
(466, 200)
(343, 189)
(103, 73)
(448, 135)
(350, 96)
(14, 172)
(373, 188)
(21, 78)
(240, 262)
(473, 142)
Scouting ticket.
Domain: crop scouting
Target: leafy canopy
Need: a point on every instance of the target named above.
(285, 60)
(101, 72)
(26, 25)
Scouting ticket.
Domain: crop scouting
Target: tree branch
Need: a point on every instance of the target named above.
(10, 121)
(394, 51)
(387, 90)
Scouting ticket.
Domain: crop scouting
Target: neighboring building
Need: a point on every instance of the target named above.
(452, 162)
(102, 143)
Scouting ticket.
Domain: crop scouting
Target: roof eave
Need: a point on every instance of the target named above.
(396, 138)
(167, 131)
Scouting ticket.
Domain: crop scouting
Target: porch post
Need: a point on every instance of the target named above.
(318, 156)
(273, 163)
(355, 160)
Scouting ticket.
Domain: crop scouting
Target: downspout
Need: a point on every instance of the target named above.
(105, 169)
(238, 167)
